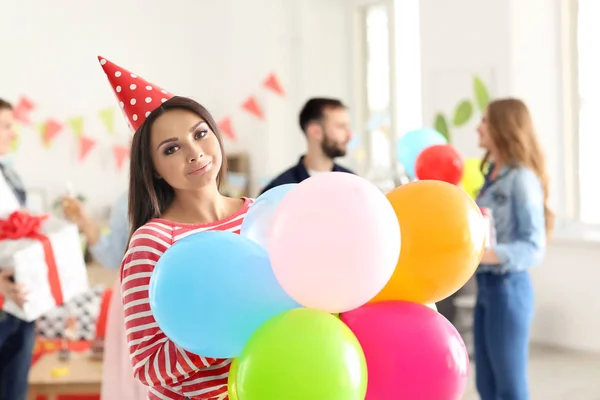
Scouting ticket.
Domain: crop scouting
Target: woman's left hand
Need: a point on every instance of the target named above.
(489, 257)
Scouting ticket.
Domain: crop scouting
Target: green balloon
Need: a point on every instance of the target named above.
(231, 380)
(302, 354)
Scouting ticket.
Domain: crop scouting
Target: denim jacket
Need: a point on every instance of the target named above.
(516, 199)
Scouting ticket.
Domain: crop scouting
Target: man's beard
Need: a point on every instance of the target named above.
(332, 149)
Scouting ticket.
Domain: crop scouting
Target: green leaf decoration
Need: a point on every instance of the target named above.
(463, 113)
(441, 125)
(482, 95)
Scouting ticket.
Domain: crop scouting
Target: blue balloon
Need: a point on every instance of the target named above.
(211, 290)
(257, 223)
(413, 143)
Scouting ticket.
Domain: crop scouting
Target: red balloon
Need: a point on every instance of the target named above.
(441, 163)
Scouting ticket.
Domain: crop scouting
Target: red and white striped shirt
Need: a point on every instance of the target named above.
(169, 371)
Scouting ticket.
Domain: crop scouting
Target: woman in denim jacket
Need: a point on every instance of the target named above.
(516, 190)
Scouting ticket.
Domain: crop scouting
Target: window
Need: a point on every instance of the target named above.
(378, 87)
(588, 138)
(389, 82)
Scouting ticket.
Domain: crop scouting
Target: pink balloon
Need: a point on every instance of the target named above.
(334, 242)
(412, 351)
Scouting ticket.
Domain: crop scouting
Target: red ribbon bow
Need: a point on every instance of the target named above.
(22, 225)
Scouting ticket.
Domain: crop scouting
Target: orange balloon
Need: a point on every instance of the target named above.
(443, 237)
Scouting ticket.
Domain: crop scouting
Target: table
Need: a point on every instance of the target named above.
(97, 275)
(84, 373)
(84, 376)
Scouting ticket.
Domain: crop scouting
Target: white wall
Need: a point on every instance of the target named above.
(515, 46)
(461, 39)
(217, 52)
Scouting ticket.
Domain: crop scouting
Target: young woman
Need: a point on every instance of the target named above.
(516, 190)
(177, 165)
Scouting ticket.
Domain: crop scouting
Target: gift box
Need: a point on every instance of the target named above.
(45, 255)
(86, 309)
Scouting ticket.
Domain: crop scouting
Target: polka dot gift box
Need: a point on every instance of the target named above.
(137, 97)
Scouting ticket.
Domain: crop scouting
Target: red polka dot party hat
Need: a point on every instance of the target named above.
(137, 97)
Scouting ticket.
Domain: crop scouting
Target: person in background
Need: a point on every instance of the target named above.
(17, 337)
(516, 191)
(326, 125)
(108, 250)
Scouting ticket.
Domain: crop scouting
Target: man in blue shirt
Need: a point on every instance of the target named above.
(17, 337)
(326, 125)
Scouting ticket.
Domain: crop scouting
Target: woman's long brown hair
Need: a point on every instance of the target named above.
(511, 129)
(150, 196)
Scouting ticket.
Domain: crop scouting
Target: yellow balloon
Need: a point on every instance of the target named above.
(472, 179)
(443, 237)
(231, 380)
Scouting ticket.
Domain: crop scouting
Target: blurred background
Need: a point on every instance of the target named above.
(399, 65)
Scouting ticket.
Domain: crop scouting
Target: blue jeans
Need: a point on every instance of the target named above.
(502, 322)
(17, 338)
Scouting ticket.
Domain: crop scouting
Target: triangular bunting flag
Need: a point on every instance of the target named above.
(14, 144)
(272, 83)
(121, 154)
(22, 109)
(40, 127)
(85, 145)
(107, 116)
(49, 131)
(226, 128)
(76, 124)
(252, 106)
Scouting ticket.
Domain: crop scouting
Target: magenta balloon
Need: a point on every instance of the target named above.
(334, 242)
(412, 351)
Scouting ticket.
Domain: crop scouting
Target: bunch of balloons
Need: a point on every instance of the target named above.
(324, 295)
(426, 155)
